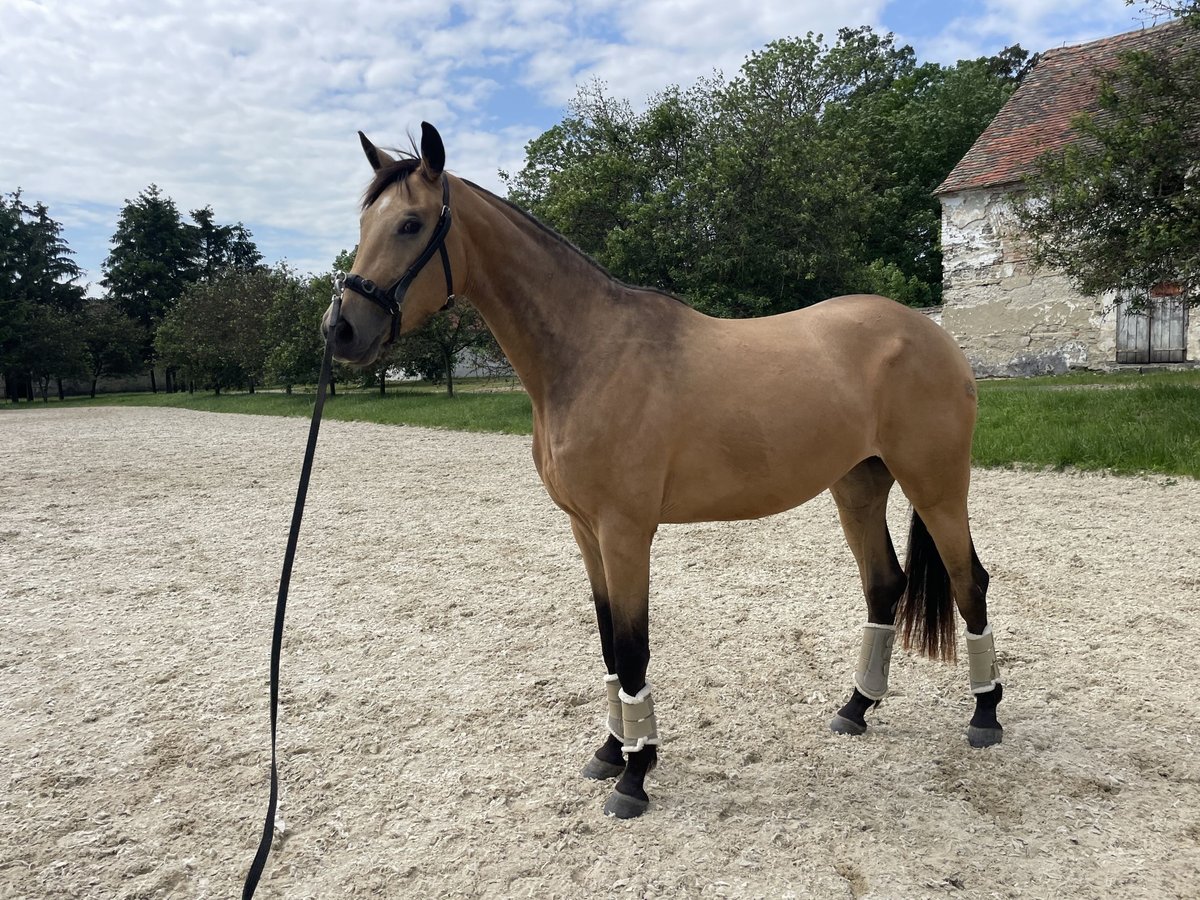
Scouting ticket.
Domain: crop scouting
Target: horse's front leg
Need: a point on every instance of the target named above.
(608, 760)
(622, 612)
(626, 554)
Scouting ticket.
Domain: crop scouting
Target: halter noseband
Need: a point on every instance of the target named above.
(391, 300)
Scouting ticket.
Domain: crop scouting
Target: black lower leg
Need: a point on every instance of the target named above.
(856, 708)
(632, 645)
(632, 782)
(610, 751)
(883, 592)
(985, 729)
(985, 708)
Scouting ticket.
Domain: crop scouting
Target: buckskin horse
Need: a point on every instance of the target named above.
(646, 411)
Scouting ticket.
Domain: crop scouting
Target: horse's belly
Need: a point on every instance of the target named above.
(720, 505)
(750, 486)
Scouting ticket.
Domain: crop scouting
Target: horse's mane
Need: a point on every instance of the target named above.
(407, 163)
(389, 174)
(567, 243)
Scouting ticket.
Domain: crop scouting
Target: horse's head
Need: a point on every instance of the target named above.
(397, 282)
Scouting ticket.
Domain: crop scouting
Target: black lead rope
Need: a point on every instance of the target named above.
(264, 845)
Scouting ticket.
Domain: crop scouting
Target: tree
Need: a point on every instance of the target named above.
(53, 349)
(152, 260)
(112, 341)
(216, 332)
(293, 328)
(433, 351)
(37, 289)
(1118, 210)
(810, 173)
(156, 255)
(908, 138)
(221, 247)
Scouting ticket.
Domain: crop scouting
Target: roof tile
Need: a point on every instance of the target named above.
(1037, 118)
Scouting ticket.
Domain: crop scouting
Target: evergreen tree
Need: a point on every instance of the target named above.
(153, 258)
(37, 290)
(221, 247)
(156, 255)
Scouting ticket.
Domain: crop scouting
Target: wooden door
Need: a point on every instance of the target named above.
(1155, 334)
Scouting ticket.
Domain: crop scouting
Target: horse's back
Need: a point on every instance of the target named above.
(763, 414)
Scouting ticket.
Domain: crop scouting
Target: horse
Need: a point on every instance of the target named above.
(646, 411)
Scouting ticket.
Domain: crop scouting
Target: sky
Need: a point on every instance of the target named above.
(252, 107)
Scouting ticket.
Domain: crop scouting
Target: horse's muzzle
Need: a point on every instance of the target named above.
(348, 344)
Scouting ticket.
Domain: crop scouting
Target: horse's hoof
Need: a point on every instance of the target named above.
(984, 737)
(842, 725)
(600, 770)
(623, 806)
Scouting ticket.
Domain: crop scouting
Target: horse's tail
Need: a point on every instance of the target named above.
(926, 611)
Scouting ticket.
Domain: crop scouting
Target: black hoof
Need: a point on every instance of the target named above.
(601, 770)
(841, 725)
(623, 806)
(984, 737)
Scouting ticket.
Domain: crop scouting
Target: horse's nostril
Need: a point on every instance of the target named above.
(344, 332)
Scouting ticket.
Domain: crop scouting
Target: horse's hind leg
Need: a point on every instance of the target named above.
(942, 564)
(861, 498)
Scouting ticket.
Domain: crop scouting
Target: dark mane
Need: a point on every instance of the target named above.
(407, 163)
(386, 176)
(565, 242)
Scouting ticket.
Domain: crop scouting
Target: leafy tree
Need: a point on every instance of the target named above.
(1118, 210)
(433, 351)
(810, 173)
(216, 332)
(112, 341)
(53, 349)
(293, 328)
(908, 138)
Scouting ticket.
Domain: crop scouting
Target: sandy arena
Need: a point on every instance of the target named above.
(442, 683)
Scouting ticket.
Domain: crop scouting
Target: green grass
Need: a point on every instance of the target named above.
(471, 409)
(1124, 423)
(1127, 424)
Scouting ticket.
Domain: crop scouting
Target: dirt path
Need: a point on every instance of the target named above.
(442, 683)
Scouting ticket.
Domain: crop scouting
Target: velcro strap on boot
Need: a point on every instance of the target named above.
(638, 723)
(612, 685)
(874, 660)
(985, 674)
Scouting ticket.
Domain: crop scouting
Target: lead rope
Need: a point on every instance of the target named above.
(264, 845)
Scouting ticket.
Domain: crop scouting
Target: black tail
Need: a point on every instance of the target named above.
(926, 609)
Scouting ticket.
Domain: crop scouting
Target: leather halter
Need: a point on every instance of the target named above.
(392, 299)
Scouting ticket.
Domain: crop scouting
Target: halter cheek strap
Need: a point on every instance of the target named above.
(391, 300)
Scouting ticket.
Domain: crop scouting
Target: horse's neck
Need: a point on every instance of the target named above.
(548, 306)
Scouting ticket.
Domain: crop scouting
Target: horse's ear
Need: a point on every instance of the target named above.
(433, 151)
(376, 157)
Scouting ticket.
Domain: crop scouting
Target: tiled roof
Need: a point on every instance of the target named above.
(1037, 118)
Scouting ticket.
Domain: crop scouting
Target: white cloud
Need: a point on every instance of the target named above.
(253, 108)
(1038, 25)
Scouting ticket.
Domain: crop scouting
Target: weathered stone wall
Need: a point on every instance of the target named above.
(1009, 319)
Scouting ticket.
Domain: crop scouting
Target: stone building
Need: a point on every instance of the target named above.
(1013, 319)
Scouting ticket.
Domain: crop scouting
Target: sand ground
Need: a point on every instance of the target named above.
(442, 683)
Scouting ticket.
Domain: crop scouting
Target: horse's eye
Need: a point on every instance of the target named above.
(409, 226)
